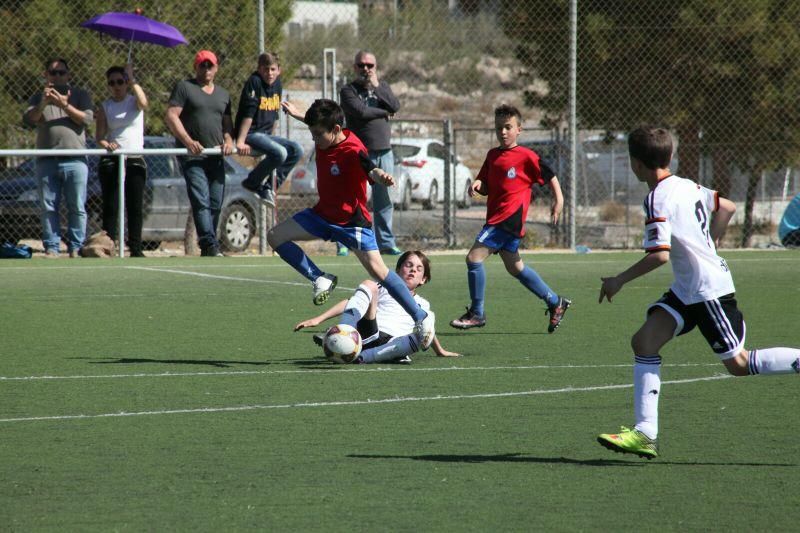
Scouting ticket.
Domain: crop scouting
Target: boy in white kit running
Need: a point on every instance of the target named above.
(684, 224)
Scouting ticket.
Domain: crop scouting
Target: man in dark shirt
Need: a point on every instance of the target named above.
(60, 113)
(199, 116)
(256, 124)
(368, 103)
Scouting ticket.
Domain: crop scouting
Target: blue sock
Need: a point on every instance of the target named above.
(297, 259)
(398, 290)
(476, 279)
(534, 283)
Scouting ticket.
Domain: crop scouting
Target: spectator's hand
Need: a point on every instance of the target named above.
(194, 147)
(227, 147)
(129, 74)
(476, 189)
(381, 176)
(372, 79)
(609, 288)
(243, 148)
(56, 98)
(110, 146)
(310, 323)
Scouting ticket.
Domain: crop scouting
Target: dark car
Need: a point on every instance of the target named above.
(166, 204)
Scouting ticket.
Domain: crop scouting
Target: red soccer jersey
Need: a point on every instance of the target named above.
(508, 176)
(342, 176)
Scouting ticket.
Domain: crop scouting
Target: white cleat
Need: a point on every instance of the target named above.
(323, 287)
(424, 330)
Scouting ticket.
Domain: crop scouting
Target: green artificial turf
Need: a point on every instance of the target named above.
(172, 394)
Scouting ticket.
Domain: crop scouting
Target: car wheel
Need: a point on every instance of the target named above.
(466, 200)
(237, 227)
(433, 196)
(405, 199)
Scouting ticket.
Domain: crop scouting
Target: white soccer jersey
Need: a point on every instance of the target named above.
(678, 217)
(392, 318)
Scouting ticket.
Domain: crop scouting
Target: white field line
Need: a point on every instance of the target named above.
(233, 263)
(350, 403)
(214, 276)
(331, 371)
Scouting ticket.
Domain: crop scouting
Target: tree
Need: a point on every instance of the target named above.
(36, 30)
(723, 74)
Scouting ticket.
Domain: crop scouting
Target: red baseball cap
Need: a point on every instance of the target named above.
(205, 55)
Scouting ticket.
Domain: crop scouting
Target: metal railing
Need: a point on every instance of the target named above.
(63, 152)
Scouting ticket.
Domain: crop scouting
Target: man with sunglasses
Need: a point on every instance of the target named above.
(368, 103)
(60, 114)
(199, 116)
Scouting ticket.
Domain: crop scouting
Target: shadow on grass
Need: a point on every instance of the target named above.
(203, 362)
(460, 333)
(500, 458)
(519, 458)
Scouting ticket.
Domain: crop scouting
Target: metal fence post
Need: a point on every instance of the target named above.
(448, 207)
(329, 56)
(121, 204)
(573, 137)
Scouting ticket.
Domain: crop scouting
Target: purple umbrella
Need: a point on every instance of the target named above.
(135, 27)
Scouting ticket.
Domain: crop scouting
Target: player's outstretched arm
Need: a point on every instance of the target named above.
(720, 220)
(558, 200)
(440, 351)
(476, 188)
(336, 310)
(381, 176)
(290, 109)
(611, 286)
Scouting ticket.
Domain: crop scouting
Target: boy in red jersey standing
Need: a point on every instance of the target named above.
(506, 178)
(341, 214)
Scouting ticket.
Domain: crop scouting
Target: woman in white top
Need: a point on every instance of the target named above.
(120, 124)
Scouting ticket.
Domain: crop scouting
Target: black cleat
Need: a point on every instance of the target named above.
(557, 313)
(469, 320)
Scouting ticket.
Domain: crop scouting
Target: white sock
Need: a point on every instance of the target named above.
(646, 389)
(394, 349)
(357, 306)
(774, 361)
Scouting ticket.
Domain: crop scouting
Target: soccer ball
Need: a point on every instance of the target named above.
(342, 344)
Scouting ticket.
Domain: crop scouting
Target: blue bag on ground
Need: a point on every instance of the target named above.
(10, 250)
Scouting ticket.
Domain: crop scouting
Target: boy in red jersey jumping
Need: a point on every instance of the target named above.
(341, 214)
(506, 178)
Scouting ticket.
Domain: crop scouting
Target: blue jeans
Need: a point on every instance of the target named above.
(279, 153)
(67, 177)
(382, 208)
(205, 185)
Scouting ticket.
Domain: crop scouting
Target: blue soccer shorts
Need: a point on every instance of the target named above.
(498, 239)
(354, 238)
(719, 320)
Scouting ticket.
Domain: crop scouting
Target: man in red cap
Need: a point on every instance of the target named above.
(199, 116)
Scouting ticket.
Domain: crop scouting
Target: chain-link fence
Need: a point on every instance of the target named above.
(724, 76)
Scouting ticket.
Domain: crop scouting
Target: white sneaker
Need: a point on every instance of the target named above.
(425, 330)
(323, 287)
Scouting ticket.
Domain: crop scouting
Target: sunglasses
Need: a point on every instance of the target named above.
(365, 65)
(57, 72)
(118, 81)
(206, 64)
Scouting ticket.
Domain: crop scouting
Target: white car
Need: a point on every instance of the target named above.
(304, 182)
(424, 159)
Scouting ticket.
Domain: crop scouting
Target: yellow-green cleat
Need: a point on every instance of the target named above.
(630, 441)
